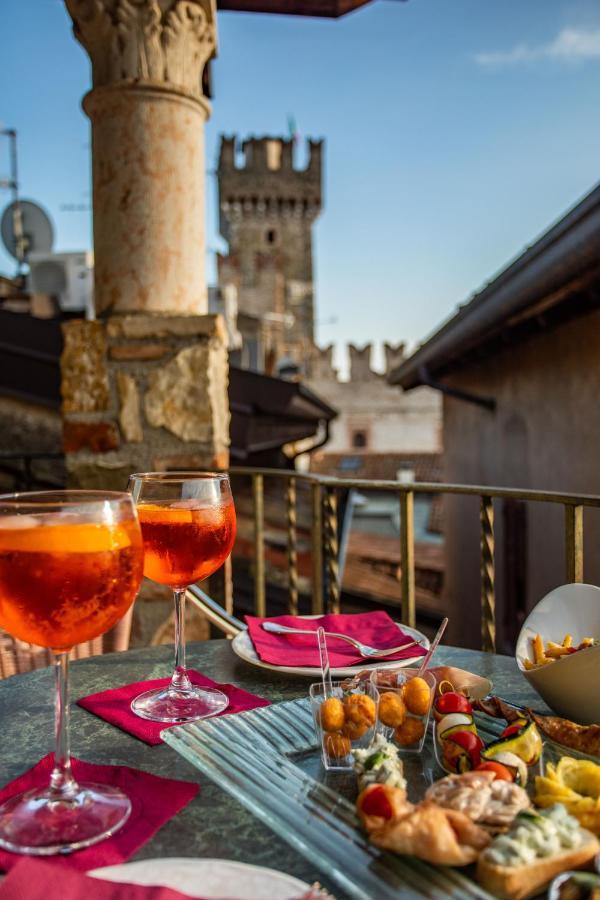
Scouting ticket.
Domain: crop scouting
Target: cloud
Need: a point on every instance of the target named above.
(569, 45)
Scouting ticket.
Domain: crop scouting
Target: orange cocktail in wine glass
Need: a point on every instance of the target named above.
(70, 568)
(188, 526)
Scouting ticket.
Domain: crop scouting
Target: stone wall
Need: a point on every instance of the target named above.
(143, 393)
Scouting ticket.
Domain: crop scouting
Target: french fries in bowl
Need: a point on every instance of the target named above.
(559, 654)
(542, 655)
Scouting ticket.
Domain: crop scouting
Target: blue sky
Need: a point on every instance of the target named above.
(456, 131)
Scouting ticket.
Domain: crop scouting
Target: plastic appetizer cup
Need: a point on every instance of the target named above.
(405, 702)
(345, 720)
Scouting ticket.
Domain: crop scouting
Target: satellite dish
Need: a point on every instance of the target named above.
(26, 228)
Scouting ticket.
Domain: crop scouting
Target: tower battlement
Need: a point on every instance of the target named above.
(322, 369)
(270, 154)
(268, 183)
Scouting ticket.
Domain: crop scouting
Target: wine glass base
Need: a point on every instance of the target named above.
(171, 706)
(39, 825)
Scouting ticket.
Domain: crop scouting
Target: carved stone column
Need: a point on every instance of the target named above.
(148, 112)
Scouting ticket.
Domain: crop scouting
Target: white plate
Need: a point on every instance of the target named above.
(211, 878)
(243, 646)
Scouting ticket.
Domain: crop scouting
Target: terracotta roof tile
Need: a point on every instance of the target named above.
(379, 466)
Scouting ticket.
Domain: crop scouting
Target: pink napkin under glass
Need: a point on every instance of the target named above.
(114, 705)
(376, 629)
(154, 801)
(36, 879)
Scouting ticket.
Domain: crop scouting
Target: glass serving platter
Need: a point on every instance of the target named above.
(269, 760)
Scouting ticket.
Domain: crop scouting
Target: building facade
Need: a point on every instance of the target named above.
(267, 208)
(373, 417)
(543, 435)
(519, 368)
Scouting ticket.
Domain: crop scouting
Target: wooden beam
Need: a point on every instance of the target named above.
(331, 9)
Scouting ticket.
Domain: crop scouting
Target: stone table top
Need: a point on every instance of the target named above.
(213, 825)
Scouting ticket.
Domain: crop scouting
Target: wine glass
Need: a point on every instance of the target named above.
(188, 527)
(70, 567)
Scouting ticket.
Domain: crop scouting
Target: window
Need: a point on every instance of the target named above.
(271, 236)
(359, 439)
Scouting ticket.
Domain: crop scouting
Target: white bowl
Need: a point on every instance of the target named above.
(569, 685)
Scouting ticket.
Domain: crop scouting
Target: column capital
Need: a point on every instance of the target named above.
(160, 42)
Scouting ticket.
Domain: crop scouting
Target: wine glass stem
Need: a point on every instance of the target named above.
(62, 784)
(180, 680)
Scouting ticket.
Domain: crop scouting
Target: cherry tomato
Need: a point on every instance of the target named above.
(376, 803)
(512, 729)
(500, 771)
(461, 751)
(451, 702)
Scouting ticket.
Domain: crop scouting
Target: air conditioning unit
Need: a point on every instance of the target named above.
(67, 276)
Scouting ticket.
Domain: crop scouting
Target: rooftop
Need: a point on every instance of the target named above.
(427, 467)
(554, 279)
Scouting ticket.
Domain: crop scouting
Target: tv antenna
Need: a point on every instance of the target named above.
(12, 184)
(26, 228)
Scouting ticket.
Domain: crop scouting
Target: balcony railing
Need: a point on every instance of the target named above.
(325, 581)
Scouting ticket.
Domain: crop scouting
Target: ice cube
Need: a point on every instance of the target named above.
(14, 523)
(186, 504)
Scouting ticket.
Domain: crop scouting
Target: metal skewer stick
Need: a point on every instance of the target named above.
(433, 648)
(325, 667)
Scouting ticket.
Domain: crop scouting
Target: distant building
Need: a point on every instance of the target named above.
(267, 208)
(373, 417)
(519, 368)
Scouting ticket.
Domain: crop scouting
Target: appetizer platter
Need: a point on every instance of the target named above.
(491, 805)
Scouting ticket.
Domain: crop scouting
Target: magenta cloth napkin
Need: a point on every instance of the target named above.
(155, 800)
(36, 879)
(376, 629)
(114, 705)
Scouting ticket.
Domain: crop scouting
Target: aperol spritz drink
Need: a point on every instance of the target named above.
(62, 584)
(185, 542)
(188, 526)
(70, 567)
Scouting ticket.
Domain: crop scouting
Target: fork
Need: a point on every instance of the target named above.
(364, 650)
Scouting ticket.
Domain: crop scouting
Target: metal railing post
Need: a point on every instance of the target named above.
(488, 595)
(317, 548)
(407, 557)
(574, 543)
(260, 605)
(228, 586)
(221, 586)
(331, 551)
(292, 549)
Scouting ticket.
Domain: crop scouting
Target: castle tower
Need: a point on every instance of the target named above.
(266, 211)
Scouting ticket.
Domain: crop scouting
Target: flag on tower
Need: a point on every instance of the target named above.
(292, 129)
